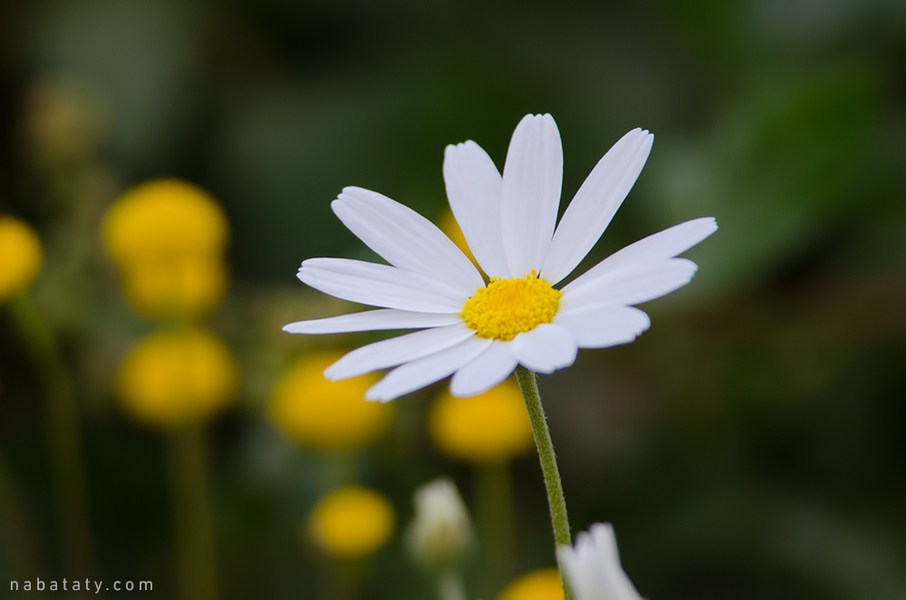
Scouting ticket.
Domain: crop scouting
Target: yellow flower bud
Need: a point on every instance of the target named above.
(174, 378)
(543, 584)
(21, 256)
(351, 522)
(187, 286)
(327, 415)
(492, 426)
(164, 218)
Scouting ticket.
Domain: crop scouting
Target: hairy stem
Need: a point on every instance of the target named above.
(559, 519)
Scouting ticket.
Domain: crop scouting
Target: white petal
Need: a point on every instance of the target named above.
(630, 285)
(487, 370)
(530, 194)
(595, 204)
(601, 326)
(593, 567)
(666, 244)
(405, 238)
(380, 285)
(545, 348)
(473, 188)
(373, 320)
(395, 351)
(425, 371)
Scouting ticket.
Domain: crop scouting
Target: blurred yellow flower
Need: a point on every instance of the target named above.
(21, 256)
(543, 584)
(351, 522)
(192, 285)
(164, 218)
(323, 414)
(173, 378)
(489, 427)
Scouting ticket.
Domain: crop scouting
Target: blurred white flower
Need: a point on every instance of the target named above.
(593, 567)
(481, 332)
(440, 534)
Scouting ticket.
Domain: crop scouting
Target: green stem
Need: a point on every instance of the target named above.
(15, 522)
(63, 440)
(494, 513)
(559, 519)
(193, 518)
(450, 587)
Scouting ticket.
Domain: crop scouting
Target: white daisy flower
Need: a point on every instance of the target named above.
(480, 332)
(593, 567)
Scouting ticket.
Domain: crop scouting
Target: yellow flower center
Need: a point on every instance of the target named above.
(507, 307)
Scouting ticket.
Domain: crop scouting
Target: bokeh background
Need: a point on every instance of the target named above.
(751, 445)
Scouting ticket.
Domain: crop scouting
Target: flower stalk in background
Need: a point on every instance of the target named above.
(481, 332)
(168, 238)
(440, 535)
(593, 567)
(487, 431)
(22, 258)
(348, 525)
(177, 380)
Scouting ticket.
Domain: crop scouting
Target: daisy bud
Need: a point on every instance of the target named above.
(440, 533)
(593, 568)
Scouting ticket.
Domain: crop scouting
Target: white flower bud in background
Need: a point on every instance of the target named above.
(593, 567)
(440, 534)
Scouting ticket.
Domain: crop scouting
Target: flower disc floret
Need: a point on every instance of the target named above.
(507, 307)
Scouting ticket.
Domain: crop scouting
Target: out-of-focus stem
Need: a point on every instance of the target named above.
(193, 514)
(450, 587)
(15, 522)
(494, 508)
(63, 440)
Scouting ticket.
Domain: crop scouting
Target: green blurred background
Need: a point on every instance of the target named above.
(751, 445)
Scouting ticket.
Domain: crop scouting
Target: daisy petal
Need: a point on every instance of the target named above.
(473, 188)
(405, 238)
(595, 204)
(380, 285)
(530, 194)
(630, 285)
(373, 320)
(600, 326)
(395, 351)
(666, 244)
(545, 348)
(425, 371)
(487, 370)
